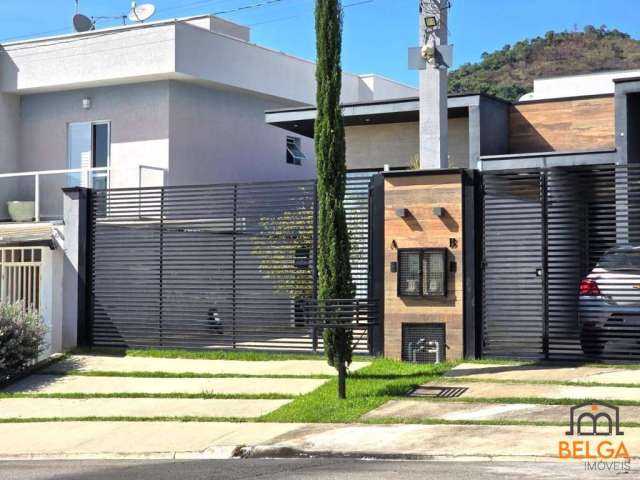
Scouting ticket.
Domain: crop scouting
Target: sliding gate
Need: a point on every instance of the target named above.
(544, 231)
(219, 266)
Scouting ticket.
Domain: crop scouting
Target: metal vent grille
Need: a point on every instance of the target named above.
(424, 342)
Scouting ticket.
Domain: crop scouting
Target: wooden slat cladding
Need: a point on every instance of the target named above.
(420, 194)
(562, 125)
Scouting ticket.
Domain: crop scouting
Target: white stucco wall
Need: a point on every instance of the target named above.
(99, 58)
(9, 147)
(169, 50)
(200, 134)
(139, 117)
(382, 88)
(9, 132)
(396, 144)
(600, 83)
(220, 136)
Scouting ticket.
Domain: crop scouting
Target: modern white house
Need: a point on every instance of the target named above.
(182, 96)
(174, 102)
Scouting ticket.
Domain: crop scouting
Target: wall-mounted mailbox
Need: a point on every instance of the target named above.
(422, 272)
(393, 268)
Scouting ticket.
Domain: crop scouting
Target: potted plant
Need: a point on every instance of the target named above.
(21, 211)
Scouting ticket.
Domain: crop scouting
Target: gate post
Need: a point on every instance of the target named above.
(376, 260)
(76, 323)
(472, 255)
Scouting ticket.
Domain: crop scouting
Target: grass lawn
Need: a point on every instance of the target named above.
(368, 388)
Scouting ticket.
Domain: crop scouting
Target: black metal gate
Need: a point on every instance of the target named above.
(546, 231)
(513, 239)
(217, 266)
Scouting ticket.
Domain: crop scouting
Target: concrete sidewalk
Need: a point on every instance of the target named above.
(110, 385)
(543, 372)
(88, 363)
(480, 390)
(455, 411)
(226, 440)
(12, 408)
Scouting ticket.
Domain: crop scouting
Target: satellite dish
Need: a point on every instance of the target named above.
(82, 23)
(140, 13)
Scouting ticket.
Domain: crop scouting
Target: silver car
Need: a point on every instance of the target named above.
(609, 302)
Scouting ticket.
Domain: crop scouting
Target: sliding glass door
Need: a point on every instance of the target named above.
(89, 146)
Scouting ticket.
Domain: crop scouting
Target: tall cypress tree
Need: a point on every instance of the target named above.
(334, 270)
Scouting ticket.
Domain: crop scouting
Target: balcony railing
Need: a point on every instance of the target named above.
(44, 187)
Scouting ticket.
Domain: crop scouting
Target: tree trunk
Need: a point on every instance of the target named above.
(334, 269)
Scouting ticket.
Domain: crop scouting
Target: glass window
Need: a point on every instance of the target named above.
(89, 146)
(409, 273)
(621, 259)
(433, 273)
(294, 152)
(422, 273)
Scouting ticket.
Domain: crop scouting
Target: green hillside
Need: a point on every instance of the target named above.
(508, 73)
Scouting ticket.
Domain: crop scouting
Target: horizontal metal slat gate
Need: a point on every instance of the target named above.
(513, 305)
(217, 266)
(544, 231)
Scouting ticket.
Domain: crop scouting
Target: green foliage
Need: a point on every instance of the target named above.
(282, 238)
(22, 336)
(509, 72)
(369, 388)
(334, 271)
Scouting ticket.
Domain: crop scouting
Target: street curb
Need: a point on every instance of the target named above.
(213, 453)
(240, 452)
(279, 451)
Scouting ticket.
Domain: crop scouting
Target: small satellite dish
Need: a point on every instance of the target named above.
(82, 23)
(140, 13)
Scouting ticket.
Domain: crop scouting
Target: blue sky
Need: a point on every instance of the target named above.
(376, 34)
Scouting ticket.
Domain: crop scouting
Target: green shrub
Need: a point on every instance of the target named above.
(22, 338)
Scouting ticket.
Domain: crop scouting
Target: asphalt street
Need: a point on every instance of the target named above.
(299, 469)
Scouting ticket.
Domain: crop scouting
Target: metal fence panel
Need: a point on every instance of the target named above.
(217, 266)
(583, 216)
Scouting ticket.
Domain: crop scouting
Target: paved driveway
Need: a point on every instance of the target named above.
(79, 387)
(481, 387)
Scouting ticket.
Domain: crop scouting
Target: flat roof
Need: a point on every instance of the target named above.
(301, 120)
(101, 31)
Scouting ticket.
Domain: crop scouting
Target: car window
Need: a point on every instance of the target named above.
(620, 260)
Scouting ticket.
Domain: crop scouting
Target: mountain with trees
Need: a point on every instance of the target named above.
(508, 73)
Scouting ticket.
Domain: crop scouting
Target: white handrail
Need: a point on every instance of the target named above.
(36, 177)
(55, 172)
(86, 172)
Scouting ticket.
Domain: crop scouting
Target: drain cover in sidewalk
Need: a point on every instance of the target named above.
(435, 391)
